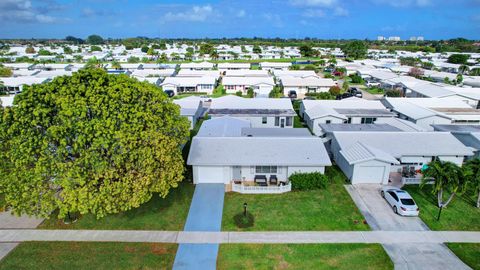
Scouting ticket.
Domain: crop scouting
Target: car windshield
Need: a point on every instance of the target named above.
(407, 202)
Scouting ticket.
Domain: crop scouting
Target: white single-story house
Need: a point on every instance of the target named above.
(7, 101)
(241, 157)
(198, 73)
(197, 66)
(271, 66)
(153, 73)
(191, 108)
(262, 86)
(295, 73)
(350, 111)
(433, 111)
(189, 84)
(469, 135)
(379, 157)
(260, 112)
(245, 73)
(303, 85)
(15, 84)
(233, 66)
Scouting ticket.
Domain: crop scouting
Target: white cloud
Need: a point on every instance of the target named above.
(313, 3)
(195, 14)
(241, 13)
(22, 11)
(274, 19)
(314, 13)
(340, 11)
(405, 3)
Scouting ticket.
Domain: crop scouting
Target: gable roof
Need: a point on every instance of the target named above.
(360, 152)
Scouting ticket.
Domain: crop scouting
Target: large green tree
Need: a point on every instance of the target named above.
(90, 143)
(94, 40)
(448, 178)
(458, 59)
(355, 49)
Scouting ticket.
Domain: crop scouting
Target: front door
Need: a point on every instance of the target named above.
(282, 122)
(237, 173)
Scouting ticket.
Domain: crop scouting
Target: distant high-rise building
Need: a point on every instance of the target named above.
(413, 38)
(420, 38)
(380, 38)
(394, 38)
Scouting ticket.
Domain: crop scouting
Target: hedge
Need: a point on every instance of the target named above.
(308, 181)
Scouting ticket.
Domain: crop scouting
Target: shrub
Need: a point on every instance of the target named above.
(321, 95)
(250, 93)
(238, 93)
(244, 221)
(392, 93)
(328, 76)
(308, 181)
(356, 79)
(335, 90)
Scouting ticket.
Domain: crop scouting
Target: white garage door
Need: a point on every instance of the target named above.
(210, 175)
(368, 174)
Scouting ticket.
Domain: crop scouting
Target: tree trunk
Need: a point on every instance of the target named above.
(440, 198)
(478, 200)
(449, 199)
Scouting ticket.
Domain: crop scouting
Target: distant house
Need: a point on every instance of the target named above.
(245, 73)
(15, 84)
(189, 84)
(233, 66)
(260, 112)
(380, 157)
(303, 85)
(469, 135)
(191, 108)
(350, 111)
(197, 66)
(271, 66)
(198, 73)
(295, 73)
(250, 160)
(261, 85)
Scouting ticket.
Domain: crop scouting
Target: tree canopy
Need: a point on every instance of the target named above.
(94, 40)
(458, 59)
(307, 51)
(355, 49)
(89, 143)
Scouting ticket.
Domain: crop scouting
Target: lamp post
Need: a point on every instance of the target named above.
(440, 212)
(245, 209)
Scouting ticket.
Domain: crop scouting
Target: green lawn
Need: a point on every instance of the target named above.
(460, 214)
(90, 255)
(375, 91)
(297, 122)
(469, 253)
(303, 256)
(319, 210)
(157, 214)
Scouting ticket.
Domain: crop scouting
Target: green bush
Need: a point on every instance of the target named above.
(356, 79)
(328, 76)
(238, 93)
(392, 93)
(244, 221)
(320, 95)
(308, 181)
(250, 92)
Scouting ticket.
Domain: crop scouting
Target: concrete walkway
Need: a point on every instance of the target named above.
(408, 255)
(205, 215)
(9, 221)
(197, 237)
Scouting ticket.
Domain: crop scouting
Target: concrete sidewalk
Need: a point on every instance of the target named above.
(197, 237)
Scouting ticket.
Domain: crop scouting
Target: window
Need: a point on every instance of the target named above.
(349, 120)
(265, 169)
(264, 120)
(277, 121)
(368, 120)
(289, 121)
(328, 121)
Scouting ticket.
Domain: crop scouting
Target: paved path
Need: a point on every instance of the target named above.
(413, 255)
(205, 214)
(9, 221)
(202, 237)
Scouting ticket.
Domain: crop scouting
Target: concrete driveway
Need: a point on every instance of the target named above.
(380, 216)
(205, 214)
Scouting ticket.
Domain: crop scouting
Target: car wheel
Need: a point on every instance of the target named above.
(383, 194)
(395, 210)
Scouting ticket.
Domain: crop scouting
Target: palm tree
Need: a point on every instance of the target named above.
(116, 65)
(463, 69)
(448, 177)
(472, 174)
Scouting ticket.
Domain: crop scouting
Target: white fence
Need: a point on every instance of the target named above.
(414, 181)
(241, 188)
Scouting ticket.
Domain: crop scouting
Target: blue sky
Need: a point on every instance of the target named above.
(433, 19)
